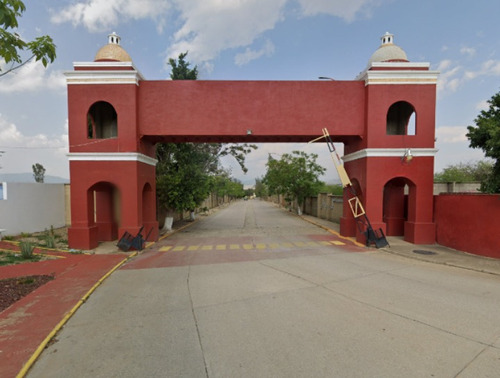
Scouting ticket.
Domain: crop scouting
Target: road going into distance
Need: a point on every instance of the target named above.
(255, 291)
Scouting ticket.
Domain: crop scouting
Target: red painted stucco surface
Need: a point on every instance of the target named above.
(469, 222)
(113, 192)
(277, 111)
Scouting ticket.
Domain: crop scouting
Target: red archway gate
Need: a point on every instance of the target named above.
(116, 117)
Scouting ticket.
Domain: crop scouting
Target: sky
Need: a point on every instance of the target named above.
(251, 40)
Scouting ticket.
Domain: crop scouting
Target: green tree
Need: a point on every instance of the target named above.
(295, 175)
(465, 172)
(12, 45)
(249, 192)
(224, 185)
(486, 136)
(181, 179)
(181, 70)
(335, 189)
(260, 188)
(38, 172)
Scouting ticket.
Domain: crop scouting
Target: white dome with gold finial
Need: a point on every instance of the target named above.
(112, 52)
(388, 51)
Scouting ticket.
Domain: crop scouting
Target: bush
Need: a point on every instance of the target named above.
(27, 249)
(50, 241)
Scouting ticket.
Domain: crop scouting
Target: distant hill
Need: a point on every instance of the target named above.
(28, 177)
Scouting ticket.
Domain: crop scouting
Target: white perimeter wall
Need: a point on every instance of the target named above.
(31, 207)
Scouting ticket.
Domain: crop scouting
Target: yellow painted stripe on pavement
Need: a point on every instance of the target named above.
(336, 242)
(258, 246)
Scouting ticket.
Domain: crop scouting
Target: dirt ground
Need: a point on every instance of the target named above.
(13, 289)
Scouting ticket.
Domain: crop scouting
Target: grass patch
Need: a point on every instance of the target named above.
(8, 258)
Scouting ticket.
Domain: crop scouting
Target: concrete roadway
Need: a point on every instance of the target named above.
(253, 291)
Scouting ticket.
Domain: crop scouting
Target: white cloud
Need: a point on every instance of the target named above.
(100, 15)
(346, 9)
(249, 54)
(22, 151)
(449, 78)
(453, 76)
(451, 134)
(444, 65)
(468, 51)
(31, 77)
(207, 27)
(211, 26)
(491, 67)
(483, 105)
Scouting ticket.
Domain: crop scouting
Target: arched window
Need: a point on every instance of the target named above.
(401, 119)
(102, 121)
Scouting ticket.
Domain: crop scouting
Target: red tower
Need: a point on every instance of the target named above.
(393, 165)
(385, 118)
(112, 170)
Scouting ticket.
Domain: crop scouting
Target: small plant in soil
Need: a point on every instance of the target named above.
(27, 249)
(50, 241)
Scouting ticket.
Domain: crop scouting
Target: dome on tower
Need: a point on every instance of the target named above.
(388, 51)
(112, 52)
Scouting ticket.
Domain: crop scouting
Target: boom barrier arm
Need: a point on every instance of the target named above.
(376, 237)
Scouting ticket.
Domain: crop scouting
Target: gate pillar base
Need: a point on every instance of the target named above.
(420, 232)
(395, 226)
(348, 226)
(107, 231)
(83, 237)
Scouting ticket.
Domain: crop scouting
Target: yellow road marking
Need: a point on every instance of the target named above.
(336, 242)
(259, 246)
